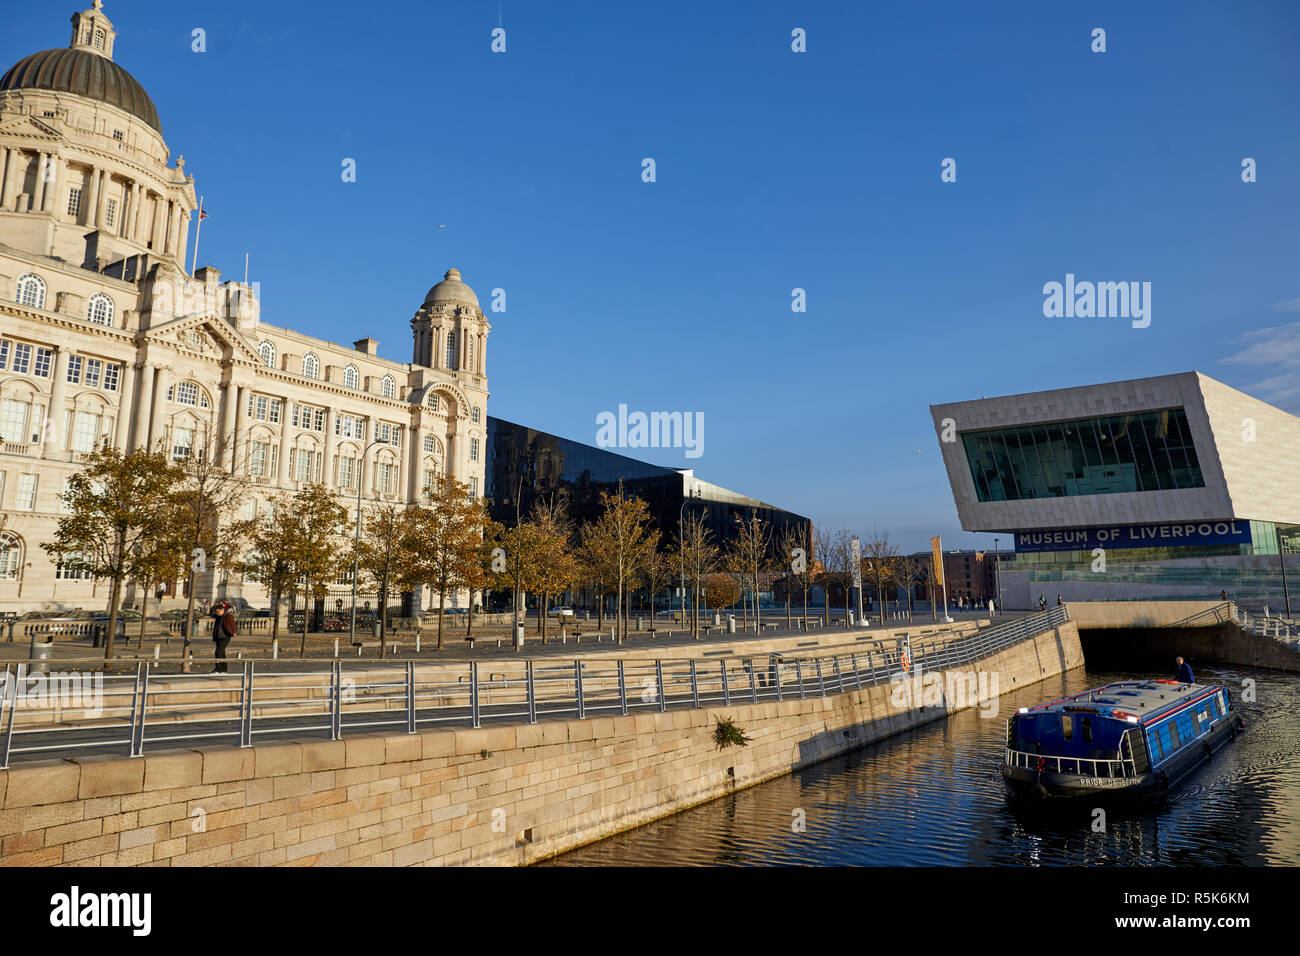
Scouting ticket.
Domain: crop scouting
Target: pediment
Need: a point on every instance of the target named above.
(203, 334)
(29, 127)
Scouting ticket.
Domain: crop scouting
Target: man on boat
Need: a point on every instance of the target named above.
(1184, 674)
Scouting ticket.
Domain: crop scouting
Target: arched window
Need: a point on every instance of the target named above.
(11, 557)
(469, 352)
(350, 376)
(267, 351)
(387, 387)
(188, 393)
(310, 366)
(473, 414)
(100, 309)
(451, 350)
(31, 291)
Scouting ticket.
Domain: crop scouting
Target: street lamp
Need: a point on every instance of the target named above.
(356, 547)
(681, 520)
(997, 572)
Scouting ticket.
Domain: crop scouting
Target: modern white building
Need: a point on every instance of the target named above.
(106, 336)
(1172, 486)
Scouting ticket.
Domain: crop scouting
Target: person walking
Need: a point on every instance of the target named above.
(1184, 674)
(223, 629)
(1059, 602)
(1042, 602)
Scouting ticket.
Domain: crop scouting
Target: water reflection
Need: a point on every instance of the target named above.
(933, 797)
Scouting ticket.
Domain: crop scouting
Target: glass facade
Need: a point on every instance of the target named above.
(1144, 451)
(524, 464)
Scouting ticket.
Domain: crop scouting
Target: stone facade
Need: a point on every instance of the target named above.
(105, 336)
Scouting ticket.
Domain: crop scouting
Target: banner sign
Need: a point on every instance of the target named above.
(856, 547)
(1162, 535)
(936, 553)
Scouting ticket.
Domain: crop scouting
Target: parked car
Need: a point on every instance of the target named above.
(455, 610)
(564, 613)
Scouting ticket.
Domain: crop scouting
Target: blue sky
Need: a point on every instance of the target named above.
(775, 170)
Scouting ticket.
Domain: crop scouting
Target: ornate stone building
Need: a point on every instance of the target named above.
(105, 336)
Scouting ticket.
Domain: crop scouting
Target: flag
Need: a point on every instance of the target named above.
(202, 215)
(936, 551)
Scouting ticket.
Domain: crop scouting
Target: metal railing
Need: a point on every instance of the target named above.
(83, 711)
(1229, 612)
(1081, 766)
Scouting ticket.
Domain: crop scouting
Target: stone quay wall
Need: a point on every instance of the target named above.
(497, 795)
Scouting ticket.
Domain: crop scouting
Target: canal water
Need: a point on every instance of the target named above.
(933, 797)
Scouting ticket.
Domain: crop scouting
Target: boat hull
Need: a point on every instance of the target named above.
(1039, 785)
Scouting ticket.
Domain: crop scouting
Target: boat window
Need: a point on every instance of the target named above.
(1214, 707)
(1157, 746)
(1085, 727)
(1174, 736)
(1067, 726)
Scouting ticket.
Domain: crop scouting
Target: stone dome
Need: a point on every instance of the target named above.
(452, 291)
(77, 70)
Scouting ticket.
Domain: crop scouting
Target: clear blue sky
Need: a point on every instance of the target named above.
(775, 170)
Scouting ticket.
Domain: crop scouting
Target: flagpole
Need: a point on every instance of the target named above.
(198, 227)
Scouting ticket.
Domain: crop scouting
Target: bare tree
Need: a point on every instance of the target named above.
(699, 556)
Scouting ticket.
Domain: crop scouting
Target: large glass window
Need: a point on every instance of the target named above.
(1146, 451)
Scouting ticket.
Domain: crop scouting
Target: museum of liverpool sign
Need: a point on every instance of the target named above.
(1163, 535)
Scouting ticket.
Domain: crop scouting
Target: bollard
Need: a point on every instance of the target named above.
(638, 623)
(275, 649)
(417, 642)
(563, 638)
(155, 652)
(611, 635)
(358, 650)
(336, 647)
(577, 638)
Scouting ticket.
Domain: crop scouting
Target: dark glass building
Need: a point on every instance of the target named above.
(524, 464)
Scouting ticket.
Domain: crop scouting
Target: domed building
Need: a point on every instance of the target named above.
(107, 337)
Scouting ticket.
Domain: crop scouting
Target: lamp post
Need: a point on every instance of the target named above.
(681, 520)
(356, 546)
(997, 572)
(1281, 558)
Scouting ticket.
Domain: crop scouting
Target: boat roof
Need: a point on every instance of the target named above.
(1145, 700)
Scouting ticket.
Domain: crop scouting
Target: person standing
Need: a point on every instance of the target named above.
(1184, 674)
(223, 629)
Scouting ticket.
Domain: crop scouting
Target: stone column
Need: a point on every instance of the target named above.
(13, 158)
(157, 423)
(159, 237)
(91, 207)
(53, 194)
(143, 405)
(286, 445)
(415, 456)
(229, 404)
(173, 228)
(125, 408)
(101, 200)
(241, 428)
(327, 466)
(58, 402)
(137, 193)
(38, 195)
(185, 235)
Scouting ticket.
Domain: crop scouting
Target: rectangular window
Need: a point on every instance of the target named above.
(87, 430)
(13, 424)
(74, 369)
(303, 471)
(26, 493)
(428, 480)
(22, 358)
(429, 441)
(4, 353)
(347, 468)
(93, 369)
(473, 449)
(44, 358)
(1085, 728)
(110, 214)
(182, 443)
(111, 373)
(74, 201)
(1067, 727)
(384, 478)
(117, 135)
(1174, 736)
(318, 421)
(257, 459)
(473, 487)
(64, 506)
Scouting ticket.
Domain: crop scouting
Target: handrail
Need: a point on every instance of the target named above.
(1230, 612)
(248, 703)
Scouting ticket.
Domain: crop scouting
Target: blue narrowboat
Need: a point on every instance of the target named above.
(1126, 738)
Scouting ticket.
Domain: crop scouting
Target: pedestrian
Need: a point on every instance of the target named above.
(1184, 674)
(223, 629)
(1223, 595)
(1042, 602)
(1059, 602)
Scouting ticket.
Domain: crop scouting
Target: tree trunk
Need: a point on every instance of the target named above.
(383, 619)
(442, 607)
(543, 605)
(189, 622)
(302, 646)
(275, 614)
(144, 614)
(114, 603)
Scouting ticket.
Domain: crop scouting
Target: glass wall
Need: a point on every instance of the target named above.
(1145, 451)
